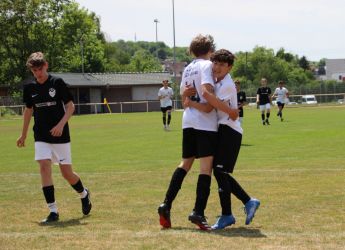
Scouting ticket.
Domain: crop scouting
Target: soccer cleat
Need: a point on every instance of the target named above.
(86, 204)
(164, 215)
(52, 217)
(281, 119)
(263, 123)
(250, 208)
(199, 220)
(224, 221)
(267, 122)
(168, 128)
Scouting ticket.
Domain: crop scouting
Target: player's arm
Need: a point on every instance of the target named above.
(57, 130)
(203, 107)
(208, 94)
(187, 91)
(26, 122)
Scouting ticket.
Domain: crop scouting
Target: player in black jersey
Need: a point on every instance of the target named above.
(263, 98)
(48, 99)
(241, 99)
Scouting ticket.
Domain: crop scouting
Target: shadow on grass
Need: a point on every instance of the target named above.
(64, 223)
(246, 232)
(246, 145)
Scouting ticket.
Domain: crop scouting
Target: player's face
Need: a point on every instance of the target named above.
(220, 69)
(263, 82)
(40, 72)
(165, 84)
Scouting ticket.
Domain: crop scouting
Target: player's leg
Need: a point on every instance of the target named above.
(48, 190)
(62, 155)
(262, 110)
(268, 112)
(43, 155)
(169, 116)
(281, 111)
(206, 144)
(188, 156)
(164, 117)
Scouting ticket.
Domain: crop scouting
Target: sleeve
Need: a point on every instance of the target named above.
(206, 74)
(27, 96)
(159, 92)
(233, 98)
(269, 91)
(65, 94)
(275, 91)
(258, 92)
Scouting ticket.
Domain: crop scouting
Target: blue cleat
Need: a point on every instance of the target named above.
(250, 208)
(224, 221)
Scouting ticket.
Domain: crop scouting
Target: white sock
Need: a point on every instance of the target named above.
(53, 207)
(83, 194)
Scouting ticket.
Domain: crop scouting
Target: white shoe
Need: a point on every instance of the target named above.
(168, 127)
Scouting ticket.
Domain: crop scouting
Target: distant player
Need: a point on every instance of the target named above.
(241, 99)
(263, 98)
(165, 95)
(282, 95)
(48, 98)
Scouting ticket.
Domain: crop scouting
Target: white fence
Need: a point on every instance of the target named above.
(149, 106)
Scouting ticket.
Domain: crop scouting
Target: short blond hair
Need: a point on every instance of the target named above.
(36, 60)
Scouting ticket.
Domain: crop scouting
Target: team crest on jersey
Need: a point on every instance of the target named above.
(52, 92)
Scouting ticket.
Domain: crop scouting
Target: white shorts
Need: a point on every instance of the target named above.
(57, 153)
(265, 107)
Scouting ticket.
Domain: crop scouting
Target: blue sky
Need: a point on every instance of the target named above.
(313, 28)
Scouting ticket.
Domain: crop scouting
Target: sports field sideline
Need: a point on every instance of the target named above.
(296, 168)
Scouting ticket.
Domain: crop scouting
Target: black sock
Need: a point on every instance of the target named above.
(78, 186)
(263, 117)
(267, 115)
(202, 193)
(48, 192)
(175, 185)
(237, 190)
(169, 118)
(164, 119)
(224, 192)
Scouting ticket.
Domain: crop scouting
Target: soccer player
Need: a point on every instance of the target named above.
(241, 99)
(48, 98)
(263, 98)
(165, 95)
(228, 141)
(282, 95)
(199, 133)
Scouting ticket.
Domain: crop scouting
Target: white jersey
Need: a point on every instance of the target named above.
(167, 94)
(226, 91)
(281, 94)
(197, 73)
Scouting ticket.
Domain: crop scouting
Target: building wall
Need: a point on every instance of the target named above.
(147, 93)
(120, 94)
(335, 69)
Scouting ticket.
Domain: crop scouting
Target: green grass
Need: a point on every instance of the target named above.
(296, 168)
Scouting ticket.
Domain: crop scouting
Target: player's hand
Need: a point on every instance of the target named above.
(187, 102)
(21, 141)
(189, 91)
(233, 114)
(57, 130)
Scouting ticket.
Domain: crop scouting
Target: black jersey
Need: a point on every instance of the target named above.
(47, 101)
(264, 95)
(241, 98)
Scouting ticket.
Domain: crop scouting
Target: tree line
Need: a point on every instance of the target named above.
(72, 40)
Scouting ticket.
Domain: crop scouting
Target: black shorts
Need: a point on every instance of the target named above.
(279, 104)
(165, 109)
(228, 147)
(198, 143)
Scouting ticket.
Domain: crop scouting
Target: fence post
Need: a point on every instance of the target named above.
(147, 106)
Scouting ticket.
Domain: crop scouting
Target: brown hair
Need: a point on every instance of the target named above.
(201, 45)
(36, 60)
(223, 55)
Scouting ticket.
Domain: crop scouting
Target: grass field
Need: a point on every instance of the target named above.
(296, 168)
